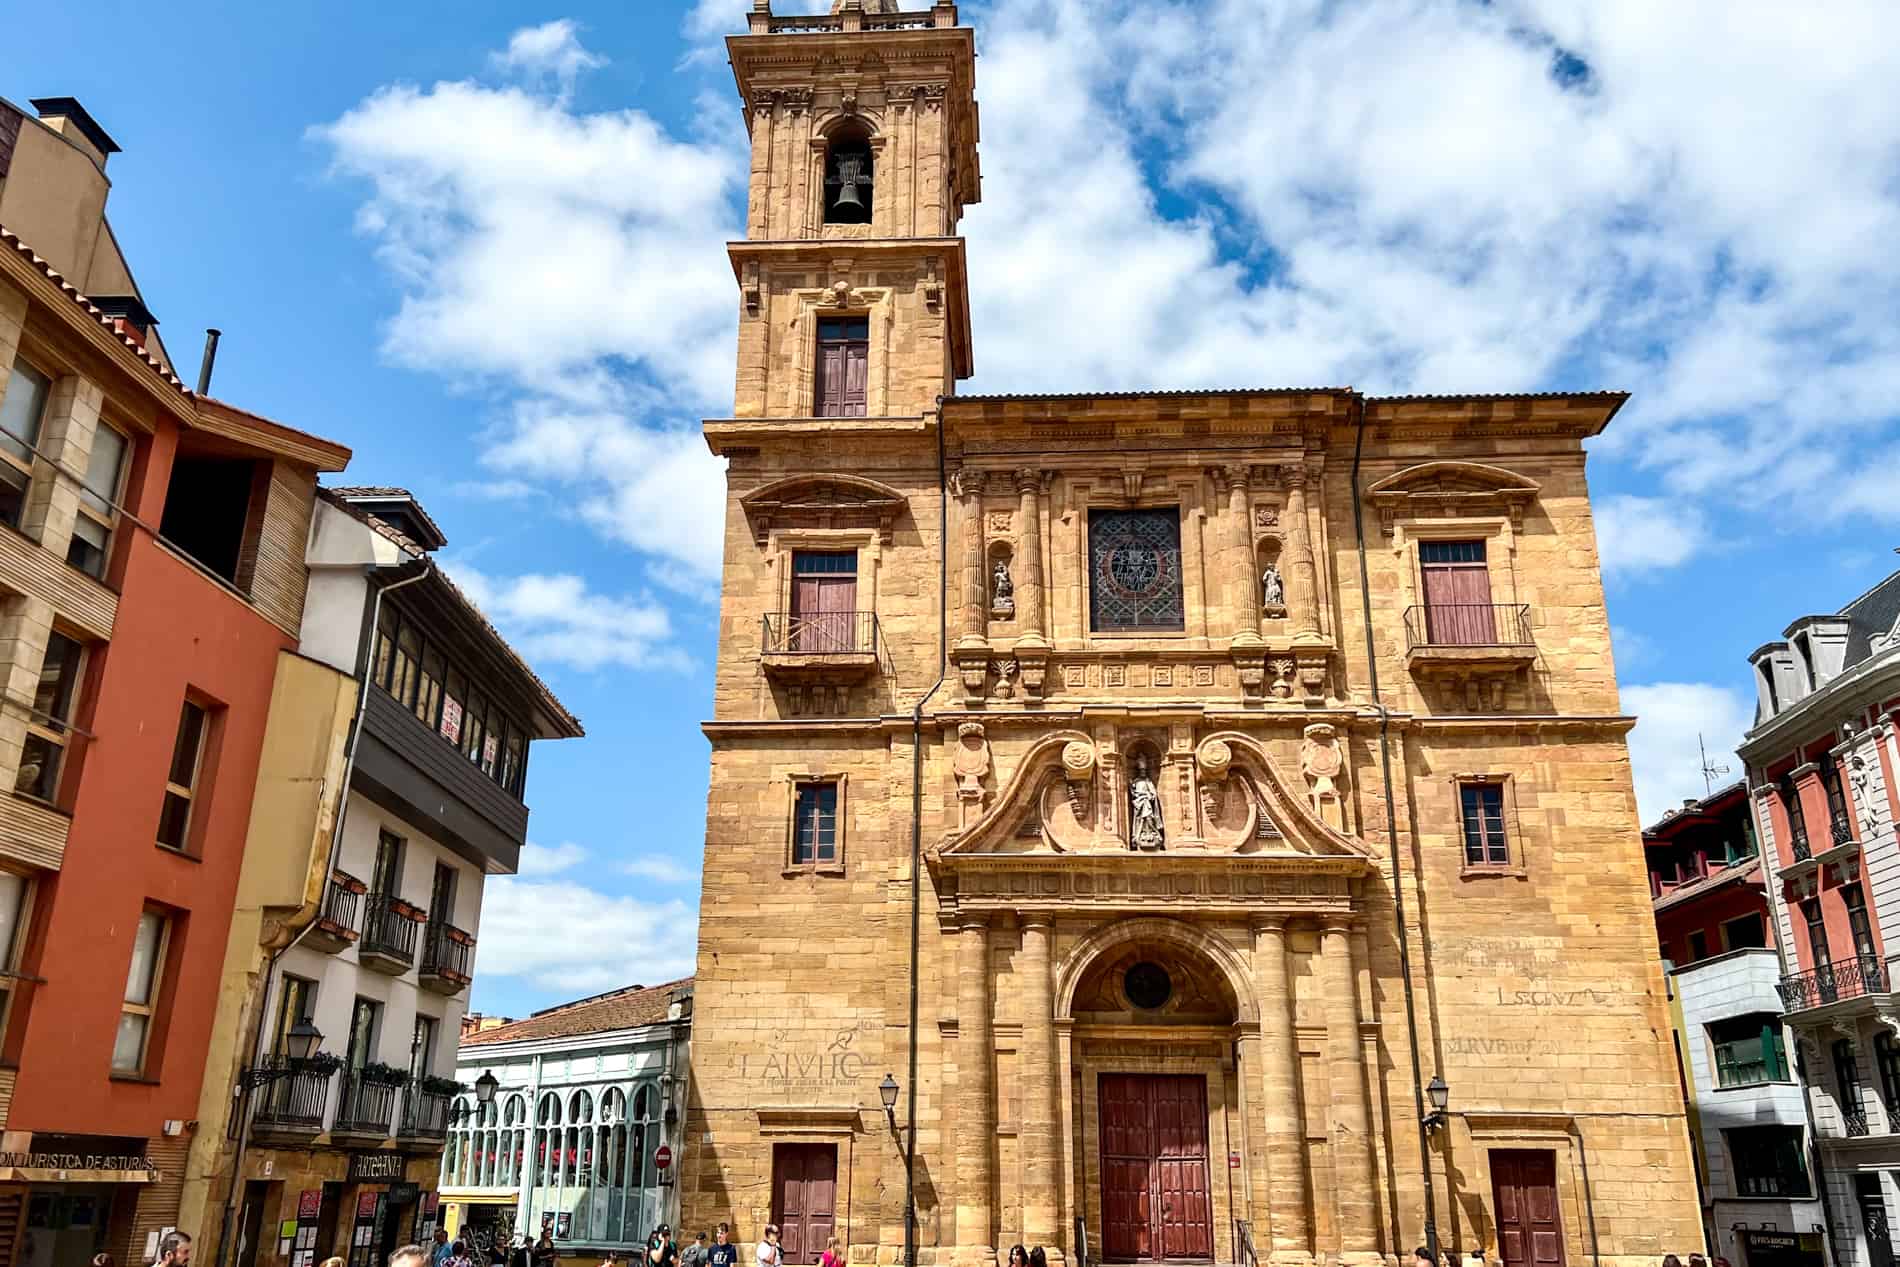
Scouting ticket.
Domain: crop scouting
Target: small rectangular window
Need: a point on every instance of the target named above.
(1698, 946)
(181, 783)
(815, 824)
(843, 371)
(454, 692)
(402, 676)
(1482, 806)
(1767, 1161)
(48, 727)
(1748, 1050)
(21, 409)
(511, 762)
(98, 501)
(143, 980)
(1748, 932)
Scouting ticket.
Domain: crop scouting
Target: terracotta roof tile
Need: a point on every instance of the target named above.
(601, 1013)
(11, 239)
(381, 492)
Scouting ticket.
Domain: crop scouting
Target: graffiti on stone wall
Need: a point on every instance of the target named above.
(804, 1063)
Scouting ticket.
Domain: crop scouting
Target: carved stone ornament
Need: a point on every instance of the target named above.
(1215, 759)
(1282, 678)
(1266, 516)
(1321, 762)
(838, 295)
(971, 760)
(1005, 679)
(1145, 820)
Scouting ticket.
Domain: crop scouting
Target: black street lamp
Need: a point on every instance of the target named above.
(485, 1087)
(1440, 1095)
(300, 1044)
(887, 1092)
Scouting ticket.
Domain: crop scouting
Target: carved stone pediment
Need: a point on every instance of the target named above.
(1436, 489)
(1221, 797)
(823, 501)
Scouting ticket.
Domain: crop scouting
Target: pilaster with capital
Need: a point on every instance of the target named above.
(1301, 574)
(976, 597)
(1350, 1123)
(1290, 1205)
(1238, 589)
(976, 1091)
(1028, 577)
(1041, 1145)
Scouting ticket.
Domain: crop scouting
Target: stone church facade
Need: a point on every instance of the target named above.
(1202, 906)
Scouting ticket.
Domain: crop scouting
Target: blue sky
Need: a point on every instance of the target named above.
(481, 246)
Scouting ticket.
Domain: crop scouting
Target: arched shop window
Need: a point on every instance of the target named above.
(591, 1161)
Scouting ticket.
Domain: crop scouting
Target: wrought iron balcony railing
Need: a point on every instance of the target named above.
(365, 1108)
(1832, 982)
(1841, 828)
(425, 1115)
(294, 1102)
(388, 928)
(820, 633)
(447, 951)
(1468, 625)
(1798, 842)
(1854, 1122)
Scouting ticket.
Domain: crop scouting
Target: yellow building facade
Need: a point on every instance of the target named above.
(1246, 759)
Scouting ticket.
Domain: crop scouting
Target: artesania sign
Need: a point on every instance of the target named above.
(376, 1165)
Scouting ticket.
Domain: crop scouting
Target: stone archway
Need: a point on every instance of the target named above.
(1150, 1010)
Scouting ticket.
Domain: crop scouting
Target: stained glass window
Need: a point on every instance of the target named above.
(1135, 570)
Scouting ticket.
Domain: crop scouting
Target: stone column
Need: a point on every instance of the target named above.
(976, 586)
(1028, 578)
(1238, 585)
(1299, 573)
(976, 1089)
(1041, 1147)
(1290, 1206)
(1350, 1117)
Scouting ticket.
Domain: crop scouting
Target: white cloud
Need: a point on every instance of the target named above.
(660, 870)
(570, 263)
(562, 936)
(557, 618)
(546, 860)
(1663, 747)
(1636, 535)
(551, 49)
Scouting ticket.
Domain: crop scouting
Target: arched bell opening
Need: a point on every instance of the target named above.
(849, 174)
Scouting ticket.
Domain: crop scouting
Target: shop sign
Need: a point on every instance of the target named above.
(78, 1161)
(374, 1167)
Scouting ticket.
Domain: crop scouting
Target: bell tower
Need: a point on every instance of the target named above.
(853, 298)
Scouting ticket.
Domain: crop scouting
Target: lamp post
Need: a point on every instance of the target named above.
(1438, 1095)
(301, 1042)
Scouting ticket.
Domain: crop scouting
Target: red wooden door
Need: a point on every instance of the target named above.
(1524, 1186)
(1458, 609)
(804, 1198)
(824, 601)
(843, 370)
(1155, 1195)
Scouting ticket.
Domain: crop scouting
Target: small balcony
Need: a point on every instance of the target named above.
(819, 647)
(425, 1115)
(1840, 989)
(389, 934)
(292, 1107)
(1854, 1123)
(448, 958)
(365, 1108)
(1469, 637)
(336, 926)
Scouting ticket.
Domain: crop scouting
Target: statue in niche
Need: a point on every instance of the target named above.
(1002, 590)
(1272, 588)
(1145, 830)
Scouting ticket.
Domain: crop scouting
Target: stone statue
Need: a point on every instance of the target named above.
(1002, 590)
(1272, 589)
(1144, 810)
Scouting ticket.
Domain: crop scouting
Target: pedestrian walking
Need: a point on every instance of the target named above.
(723, 1252)
(409, 1256)
(518, 1255)
(442, 1249)
(694, 1255)
(833, 1256)
(769, 1254)
(544, 1253)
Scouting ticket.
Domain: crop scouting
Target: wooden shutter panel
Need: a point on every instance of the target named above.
(857, 372)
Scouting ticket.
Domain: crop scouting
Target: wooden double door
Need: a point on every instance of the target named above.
(1156, 1202)
(804, 1198)
(1524, 1189)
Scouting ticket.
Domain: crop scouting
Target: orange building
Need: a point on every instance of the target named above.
(151, 579)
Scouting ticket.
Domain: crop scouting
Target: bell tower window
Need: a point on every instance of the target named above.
(848, 175)
(844, 356)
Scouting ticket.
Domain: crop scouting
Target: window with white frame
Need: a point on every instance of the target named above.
(143, 981)
(99, 501)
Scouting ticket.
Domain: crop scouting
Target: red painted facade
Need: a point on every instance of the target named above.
(177, 631)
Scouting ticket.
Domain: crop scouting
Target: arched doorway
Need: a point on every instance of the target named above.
(1154, 1007)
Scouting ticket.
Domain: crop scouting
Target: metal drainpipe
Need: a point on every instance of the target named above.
(336, 840)
(1392, 840)
(917, 838)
